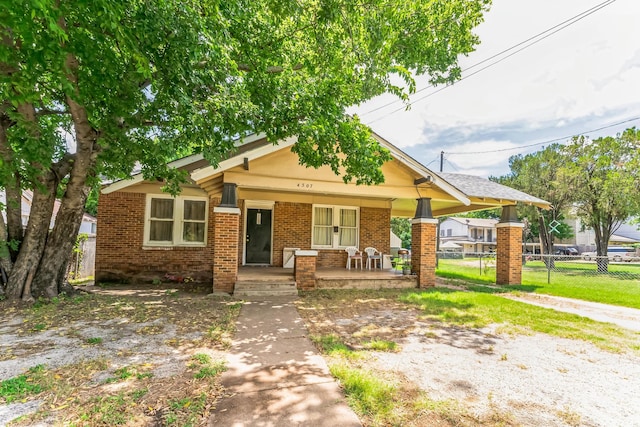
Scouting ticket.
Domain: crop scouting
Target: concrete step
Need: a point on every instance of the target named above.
(256, 288)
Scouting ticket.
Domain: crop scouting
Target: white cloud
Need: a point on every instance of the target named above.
(581, 78)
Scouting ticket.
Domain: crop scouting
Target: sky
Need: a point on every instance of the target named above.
(582, 78)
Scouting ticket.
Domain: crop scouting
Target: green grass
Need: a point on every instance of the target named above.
(572, 280)
(23, 385)
(206, 368)
(366, 392)
(381, 345)
(475, 309)
(333, 346)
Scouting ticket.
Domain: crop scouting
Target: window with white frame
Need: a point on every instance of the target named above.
(335, 226)
(174, 221)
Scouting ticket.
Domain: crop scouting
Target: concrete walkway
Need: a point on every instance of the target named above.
(625, 317)
(275, 376)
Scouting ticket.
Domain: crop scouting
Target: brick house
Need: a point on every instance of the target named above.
(260, 206)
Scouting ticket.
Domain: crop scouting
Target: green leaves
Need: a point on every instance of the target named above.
(163, 79)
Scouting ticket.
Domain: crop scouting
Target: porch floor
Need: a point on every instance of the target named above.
(331, 278)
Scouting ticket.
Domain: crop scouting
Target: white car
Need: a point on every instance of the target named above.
(615, 254)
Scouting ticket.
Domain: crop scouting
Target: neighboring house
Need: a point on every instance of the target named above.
(260, 204)
(471, 234)
(584, 239)
(88, 225)
(82, 262)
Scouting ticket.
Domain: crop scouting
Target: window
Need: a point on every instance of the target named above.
(175, 220)
(449, 232)
(335, 226)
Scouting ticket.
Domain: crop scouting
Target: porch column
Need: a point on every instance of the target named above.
(305, 270)
(423, 244)
(225, 245)
(509, 248)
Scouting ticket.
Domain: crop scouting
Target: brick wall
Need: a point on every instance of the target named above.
(423, 251)
(120, 256)
(375, 225)
(119, 245)
(509, 254)
(305, 272)
(291, 228)
(225, 251)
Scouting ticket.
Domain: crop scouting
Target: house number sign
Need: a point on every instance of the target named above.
(305, 185)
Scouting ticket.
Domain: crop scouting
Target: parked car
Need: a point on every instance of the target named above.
(567, 251)
(614, 253)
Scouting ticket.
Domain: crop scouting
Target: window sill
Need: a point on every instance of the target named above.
(324, 248)
(156, 247)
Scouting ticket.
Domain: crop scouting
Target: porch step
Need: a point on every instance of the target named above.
(257, 288)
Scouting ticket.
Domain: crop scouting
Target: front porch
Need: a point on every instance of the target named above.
(262, 280)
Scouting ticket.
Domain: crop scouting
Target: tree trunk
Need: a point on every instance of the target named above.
(35, 236)
(14, 218)
(602, 242)
(546, 243)
(13, 230)
(52, 270)
(59, 248)
(5, 257)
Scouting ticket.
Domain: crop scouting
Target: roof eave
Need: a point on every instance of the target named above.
(415, 166)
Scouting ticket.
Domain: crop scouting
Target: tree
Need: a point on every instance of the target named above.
(603, 176)
(401, 227)
(538, 174)
(92, 89)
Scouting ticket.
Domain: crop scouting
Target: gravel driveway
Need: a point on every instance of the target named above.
(532, 380)
(539, 379)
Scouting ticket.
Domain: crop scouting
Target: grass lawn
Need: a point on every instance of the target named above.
(479, 309)
(569, 279)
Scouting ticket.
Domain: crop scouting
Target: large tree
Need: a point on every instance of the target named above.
(96, 88)
(538, 174)
(603, 176)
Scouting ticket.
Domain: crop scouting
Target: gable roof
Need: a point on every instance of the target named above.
(458, 189)
(475, 186)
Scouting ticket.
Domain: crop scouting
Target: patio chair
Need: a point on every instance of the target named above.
(354, 254)
(373, 255)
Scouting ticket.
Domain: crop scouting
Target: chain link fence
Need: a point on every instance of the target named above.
(544, 268)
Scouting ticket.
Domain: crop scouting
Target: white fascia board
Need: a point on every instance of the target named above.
(250, 138)
(138, 178)
(422, 170)
(124, 183)
(238, 159)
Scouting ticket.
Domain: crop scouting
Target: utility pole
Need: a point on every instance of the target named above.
(441, 160)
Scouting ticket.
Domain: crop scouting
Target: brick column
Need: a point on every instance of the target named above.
(225, 248)
(305, 270)
(423, 250)
(509, 248)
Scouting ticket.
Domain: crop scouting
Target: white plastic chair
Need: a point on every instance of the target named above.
(373, 255)
(353, 254)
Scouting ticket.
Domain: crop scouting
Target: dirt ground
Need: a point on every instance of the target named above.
(155, 333)
(533, 379)
(116, 354)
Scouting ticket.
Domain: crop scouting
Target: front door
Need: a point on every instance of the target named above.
(258, 245)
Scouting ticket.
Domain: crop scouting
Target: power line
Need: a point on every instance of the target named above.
(536, 39)
(564, 138)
